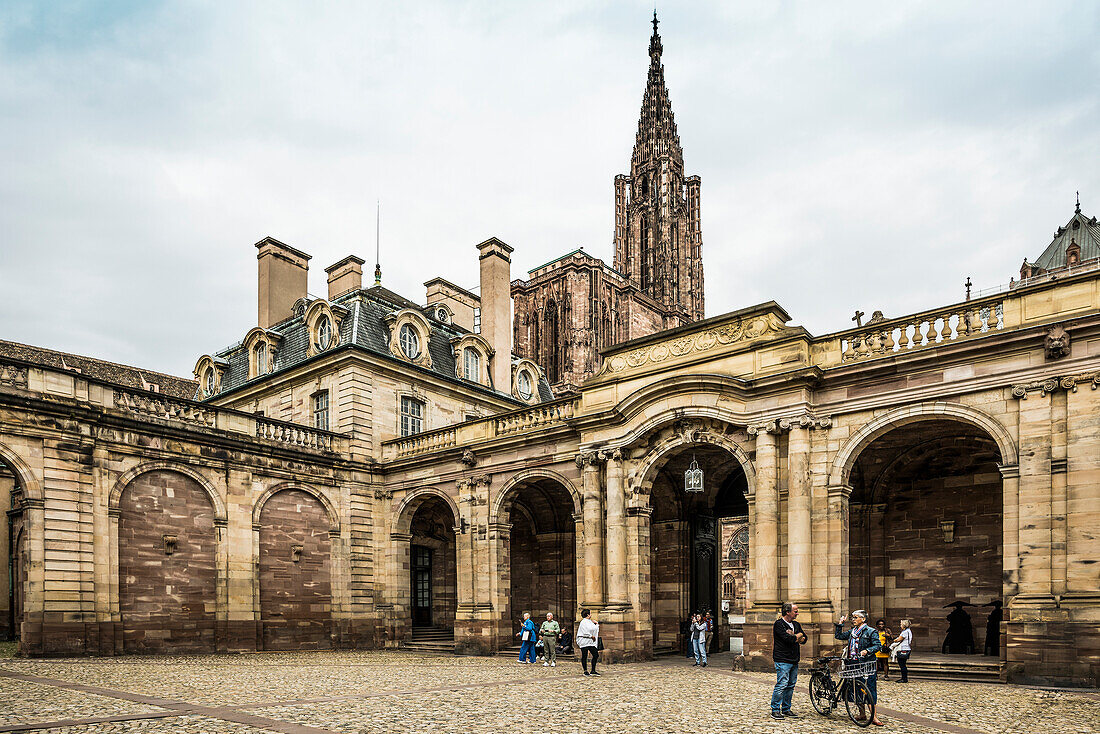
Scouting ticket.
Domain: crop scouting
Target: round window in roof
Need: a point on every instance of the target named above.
(441, 315)
(410, 341)
(211, 380)
(324, 333)
(523, 385)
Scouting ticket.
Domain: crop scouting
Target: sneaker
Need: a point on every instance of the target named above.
(546, 665)
(595, 673)
(777, 715)
(553, 665)
(704, 665)
(791, 715)
(587, 673)
(694, 665)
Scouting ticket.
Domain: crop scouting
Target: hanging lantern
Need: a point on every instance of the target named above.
(693, 477)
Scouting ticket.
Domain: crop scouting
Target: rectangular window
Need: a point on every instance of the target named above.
(473, 364)
(477, 320)
(412, 416)
(320, 410)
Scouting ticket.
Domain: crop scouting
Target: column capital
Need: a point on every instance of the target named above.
(1043, 387)
(806, 421)
(762, 428)
(474, 483)
(401, 537)
(1070, 382)
(841, 491)
(590, 460)
(1009, 471)
(639, 511)
(611, 455)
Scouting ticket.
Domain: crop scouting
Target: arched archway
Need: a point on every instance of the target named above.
(167, 563)
(689, 531)
(427, 568)
(926, 527)
(541, 565)
(13, 573)
(294, 568)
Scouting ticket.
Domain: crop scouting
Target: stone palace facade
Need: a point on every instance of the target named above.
(364, 470)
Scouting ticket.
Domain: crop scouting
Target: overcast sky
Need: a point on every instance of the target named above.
(853, 154)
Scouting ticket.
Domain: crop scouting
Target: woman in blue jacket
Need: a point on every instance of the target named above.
(863, 643)
(527, 634)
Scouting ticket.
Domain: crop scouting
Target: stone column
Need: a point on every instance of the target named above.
(638, 581)
(766, 534)
(1010, 529)
(1035, 492)
(799, 543)
(616, 531)
(1083, 485)
(593, 531)
(839, 544)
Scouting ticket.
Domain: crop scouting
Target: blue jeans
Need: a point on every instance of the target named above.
(785, 676)
(872, 686)
(699, 647)
(527, 649)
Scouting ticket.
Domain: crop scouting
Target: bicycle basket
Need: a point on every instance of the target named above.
(858, 668)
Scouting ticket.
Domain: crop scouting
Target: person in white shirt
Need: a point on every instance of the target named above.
(588, 640)
(904, 647)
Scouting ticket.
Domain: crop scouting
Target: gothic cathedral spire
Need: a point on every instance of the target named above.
(658, 239)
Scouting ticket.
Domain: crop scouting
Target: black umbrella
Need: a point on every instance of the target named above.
(959, 604)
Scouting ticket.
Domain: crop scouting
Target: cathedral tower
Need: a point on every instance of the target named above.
(658, 239)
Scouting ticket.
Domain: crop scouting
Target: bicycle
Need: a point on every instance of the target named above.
(825, 693)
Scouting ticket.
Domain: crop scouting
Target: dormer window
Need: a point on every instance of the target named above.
(410, 341)
(324, 333)
(472, 364)
(523, 385)
(442, 316)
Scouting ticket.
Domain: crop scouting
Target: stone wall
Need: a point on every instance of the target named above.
(167, 549)
(295, 569)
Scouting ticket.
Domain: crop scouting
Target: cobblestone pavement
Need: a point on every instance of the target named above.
(296, 693)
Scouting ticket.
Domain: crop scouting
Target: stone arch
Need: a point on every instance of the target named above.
(413, 500)
(693, 433)
(508, 491)
(330, 508)
(846, 457)
(703, 396)
(124, 480)
(32, 488)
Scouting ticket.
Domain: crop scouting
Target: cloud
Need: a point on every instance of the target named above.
(853, 155)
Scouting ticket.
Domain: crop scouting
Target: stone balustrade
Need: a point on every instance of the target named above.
(538, 416)
(294, 434)
(923, 330)
(421, 443)
(516, 422)
(155, 406)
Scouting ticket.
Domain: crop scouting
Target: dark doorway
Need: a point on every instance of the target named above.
(422, 586)
(704, 562)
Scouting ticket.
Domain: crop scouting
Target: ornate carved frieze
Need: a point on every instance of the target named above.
(383, 494)
(13, 375)
(731, 333)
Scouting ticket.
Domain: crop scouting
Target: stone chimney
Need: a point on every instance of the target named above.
(284, 276)
(344, 276)
(496, 309)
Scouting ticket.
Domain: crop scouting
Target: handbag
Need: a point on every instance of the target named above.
(599, 643)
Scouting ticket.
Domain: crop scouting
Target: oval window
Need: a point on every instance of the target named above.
(410, 341)
(211, 380)
(523, 385)
(324, 333)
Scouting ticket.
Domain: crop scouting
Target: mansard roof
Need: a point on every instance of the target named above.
(1084, 231)
(117, 374)
(363, 327)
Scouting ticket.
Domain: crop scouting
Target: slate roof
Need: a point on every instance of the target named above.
(365, 328)
(1083, 230)
(117, 374)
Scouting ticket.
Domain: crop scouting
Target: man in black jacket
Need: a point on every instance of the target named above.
(787, 635)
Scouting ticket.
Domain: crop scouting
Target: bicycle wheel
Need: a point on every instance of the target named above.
(821, 694)
(859, 695)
